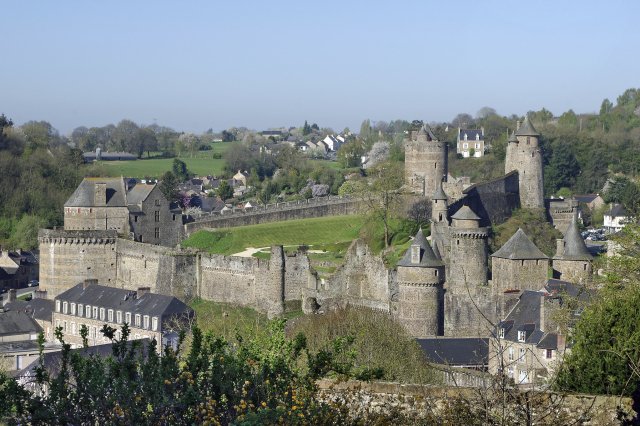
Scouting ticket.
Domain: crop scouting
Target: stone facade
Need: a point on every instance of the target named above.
(153, 221)
(524, 155)
(425, 163)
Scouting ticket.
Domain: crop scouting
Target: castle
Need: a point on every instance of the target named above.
(126, 237)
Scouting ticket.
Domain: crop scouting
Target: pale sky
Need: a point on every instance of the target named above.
(194, 65)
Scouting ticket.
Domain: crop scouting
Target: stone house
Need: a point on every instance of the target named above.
(17, 268)
(470, 142)
(149, 315)
(140, 212)
(592, 201)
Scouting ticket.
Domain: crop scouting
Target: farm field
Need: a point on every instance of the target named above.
(201, 163)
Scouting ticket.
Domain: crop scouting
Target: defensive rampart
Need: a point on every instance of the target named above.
(302, 209)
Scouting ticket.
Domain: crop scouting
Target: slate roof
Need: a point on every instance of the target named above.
(151, 304)
(84, 194)
(586, 198)
(458, 351)
(471, 134)
(525, 316)
(425, 134)
(574, 246)
(465, 213)
(17, 322)
(40, 309)
(617, 211)
(513, 137)
(519, 247)
(527, 129)
(440, 194)
(428, 258)
(139, 193)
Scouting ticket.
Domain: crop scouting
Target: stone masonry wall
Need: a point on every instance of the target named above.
(525, 274)
(70, 257)
(318, 207)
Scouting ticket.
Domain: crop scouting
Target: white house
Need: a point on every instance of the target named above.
(615, 219)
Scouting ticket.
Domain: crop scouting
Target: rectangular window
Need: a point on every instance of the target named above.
(64, 326)
(88, 311)
(73, 309)
(110, 315)
(157, 216)
(501, 333)
(57, 306)
(145, 322)
(101, 314)
(119, 317)
(65, 307)
(157, 202)
(511, 354)
(154, 323)
(523, 353)
(137, 320)
(80, 310)
(127, 318)
(95, 312)
(73, 328)
(549, 353)
(522, 336)
(157, 232)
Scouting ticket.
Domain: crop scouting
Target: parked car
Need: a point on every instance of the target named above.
(33, 283)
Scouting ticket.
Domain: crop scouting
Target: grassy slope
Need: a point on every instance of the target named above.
(202, 163)
(313, 232)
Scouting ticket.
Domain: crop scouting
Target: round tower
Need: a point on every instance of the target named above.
(526, 158)
(572, 261)
(420, 295)
(440, 223)
(468, 252)
(425, 162)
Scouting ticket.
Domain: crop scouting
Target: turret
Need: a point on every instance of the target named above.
(420, 279)
(512, 149)
(468, 254)
(523, 154)
(572, 261)
(439, 205)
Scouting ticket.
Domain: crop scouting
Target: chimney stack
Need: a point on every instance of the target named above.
(12, 296)
(90, 281)
(142, 291)
(100, 195)
(40, 294)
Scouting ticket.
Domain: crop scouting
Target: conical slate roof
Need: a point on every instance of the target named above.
(513, 137)
(527, 129)
(574, 246)
(428, 258)
(465, 213)
(440, 194)
(425, 133)
(519, 247)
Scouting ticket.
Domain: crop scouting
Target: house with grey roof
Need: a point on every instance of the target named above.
(148, 315)
(17, 268)
(471, 142)
(615, 219)
(138, 211)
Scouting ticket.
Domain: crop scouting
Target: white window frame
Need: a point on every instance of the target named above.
(57, 306)
(80, 310)
(127, 318)
(102, 314)
(95, 312)
(522, 355)
(522, 336)
(73, 308)
(74, 330)
(110, 315)
(138, 319)
(154, 323)
(119, 317)
(501, 333)
(511, 353)
(65, 307)
(87, 310)
(145, 322)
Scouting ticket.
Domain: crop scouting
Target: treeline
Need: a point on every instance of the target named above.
(38, 172)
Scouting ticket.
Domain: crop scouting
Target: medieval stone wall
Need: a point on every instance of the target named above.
(425, 165)
(70, 257)
(420, 300)
(561, 212)
(316, 207)
(518, 274)
(572, 270)
(96, 218)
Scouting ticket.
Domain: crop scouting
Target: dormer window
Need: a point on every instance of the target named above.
(65, 307)
(522, 335)
(465, 136)
(501, 332)
(57, 306)
(415, 254)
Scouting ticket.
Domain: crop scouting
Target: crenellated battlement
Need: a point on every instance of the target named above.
(60, 236)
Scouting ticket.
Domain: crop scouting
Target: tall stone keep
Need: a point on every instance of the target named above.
(420, 294)
(467, 295)
(524, 155)
(425, 164)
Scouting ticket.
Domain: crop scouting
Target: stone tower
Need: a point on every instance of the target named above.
(572, 261)
(467, 297)
(420, 294)
(519, 265)
(440, 223)
(425, 164)
(524, 155)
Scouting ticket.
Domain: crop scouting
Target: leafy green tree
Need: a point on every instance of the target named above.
(350, 154)
(224, 191)
(168, 186)
(534, 223)
(306, 129)
(561, 170)
(382, 195)
(606, 341)
(180, 170)
(25, 234)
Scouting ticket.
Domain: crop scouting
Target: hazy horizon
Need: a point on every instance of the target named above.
(202, 65)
